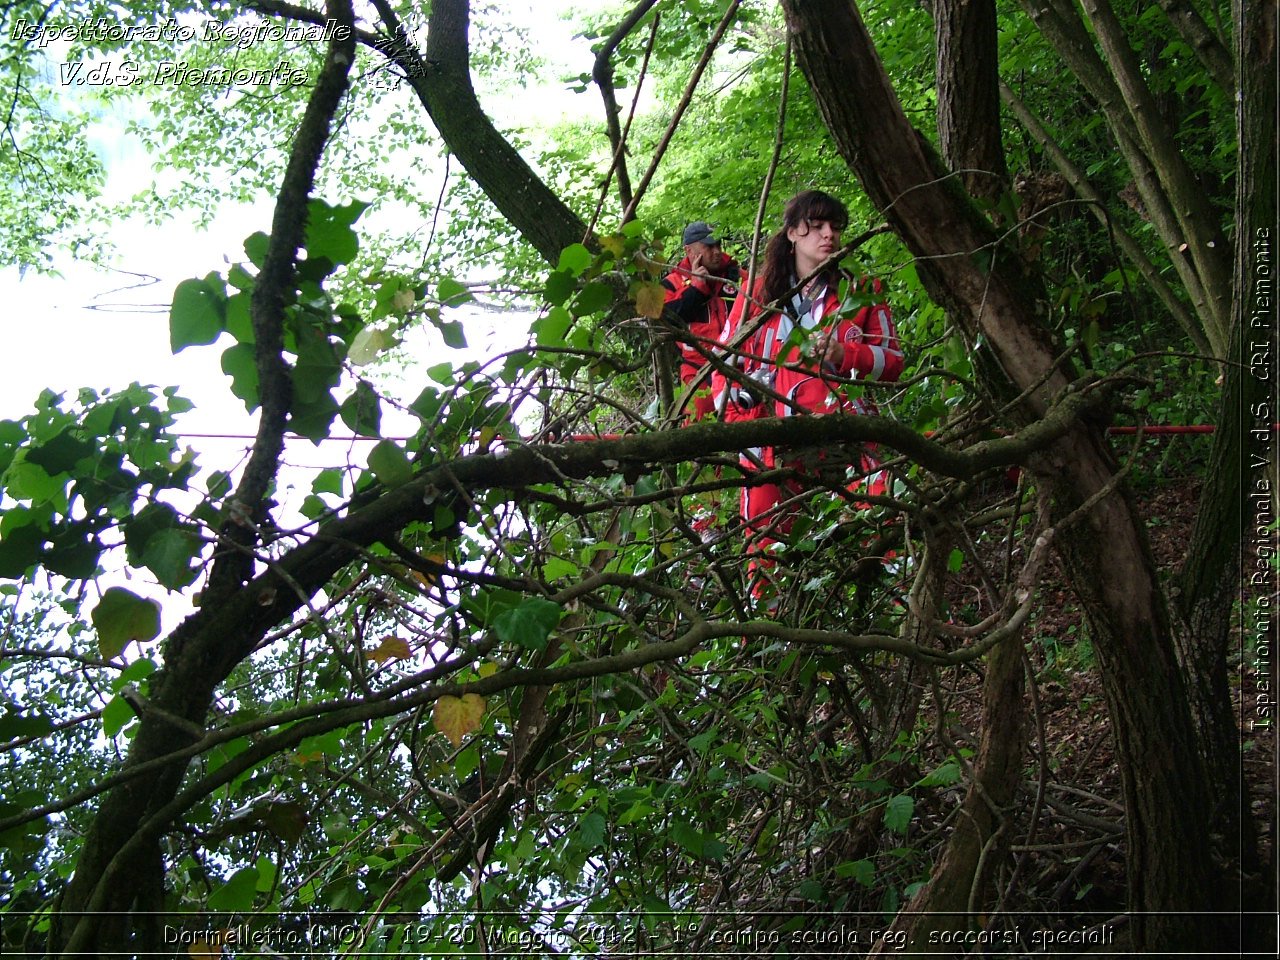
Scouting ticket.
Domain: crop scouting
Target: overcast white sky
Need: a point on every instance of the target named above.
(106, 329)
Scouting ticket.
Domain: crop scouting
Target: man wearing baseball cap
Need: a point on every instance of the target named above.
(699, 292)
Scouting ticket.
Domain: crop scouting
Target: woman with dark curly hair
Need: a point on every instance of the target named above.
(806, 329)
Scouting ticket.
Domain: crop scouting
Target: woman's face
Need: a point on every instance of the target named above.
(814, 240)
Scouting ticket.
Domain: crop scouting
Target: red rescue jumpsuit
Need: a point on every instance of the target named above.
(702, 305)
(871, 352)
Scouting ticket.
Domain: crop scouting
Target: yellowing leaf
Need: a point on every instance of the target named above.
(211, 947)
(615, 243)
(455, 717)
(403, 300)
(391, 648)
(368, 343)
(650, 299)
(429, 579)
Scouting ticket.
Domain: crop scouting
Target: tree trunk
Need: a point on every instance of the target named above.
(1107, 555)
(969, 95)
(443, 83)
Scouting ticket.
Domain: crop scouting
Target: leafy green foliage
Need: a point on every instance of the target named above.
(122, 617)
(509, 700)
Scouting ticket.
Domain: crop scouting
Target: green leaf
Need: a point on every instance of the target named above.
(574, 258)
(560, 284)
(286, 819)
(197, 315)
(590, 831)
(454, 335)
(529, 624)
(313, 420)
(255, 247)
(122, 616)
(20, 548)
(169, 554)
(593, 298)
(237, 894)
(389, 464)
(812, 890)
(897, 813)
(73, 555)
(241, 366)
(702, 741)
(942, 776)
(329, 234)
(362, 411)
(551, 329)
(239, 321)
(368, 343)
(328, 481)
(863, 871)
(60, 454)
(451, 293)
(955, 561)
(313, 507)
(116, 715)
(14, 725)
(696, 842)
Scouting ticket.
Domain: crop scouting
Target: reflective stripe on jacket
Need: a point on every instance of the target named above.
(871, 352)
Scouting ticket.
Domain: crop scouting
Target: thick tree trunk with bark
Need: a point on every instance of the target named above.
(443, 84)
(969, 94)
(1106, 554)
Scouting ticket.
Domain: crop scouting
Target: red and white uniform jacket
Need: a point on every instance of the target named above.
(701, 304)
(774, 355)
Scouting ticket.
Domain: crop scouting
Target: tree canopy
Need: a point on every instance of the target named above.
(502, 683)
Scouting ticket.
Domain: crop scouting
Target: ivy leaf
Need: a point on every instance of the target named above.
(560, 283)
(574, 259)
(391, 648)
(389, 463)
(456, 717)
(169, 554)
(286, 819)
(452, 293)
(897, 813)
(650, 299)
(197, 315)
(115, 715)
(238, 893)
(368, 343)
(122, 616)
(593, 298)
(362, 411)
(239, 364)
(529, 624)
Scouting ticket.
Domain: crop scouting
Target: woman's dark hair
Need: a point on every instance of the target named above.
(779, 262)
